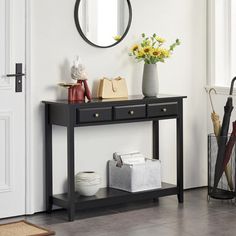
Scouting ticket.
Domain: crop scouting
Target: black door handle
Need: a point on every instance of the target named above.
(18, 75)
(14, 75)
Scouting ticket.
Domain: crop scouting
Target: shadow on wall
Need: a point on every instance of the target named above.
(65, 77)
(61, 93)
(95, 88)
(65, 69)
(200, 160)
(136, 81)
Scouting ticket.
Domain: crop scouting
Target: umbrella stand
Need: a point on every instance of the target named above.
(217, 128)
(223, 138)
(223, 191)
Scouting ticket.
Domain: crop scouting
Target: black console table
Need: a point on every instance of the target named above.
(104, 112)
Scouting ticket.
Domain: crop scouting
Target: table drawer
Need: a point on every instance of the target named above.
(129, 112)
(85, 115)
(162, 109)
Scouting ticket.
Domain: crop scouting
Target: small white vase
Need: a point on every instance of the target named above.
(150, 80)
(87, 183)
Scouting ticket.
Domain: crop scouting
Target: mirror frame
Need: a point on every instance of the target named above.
(76, 18)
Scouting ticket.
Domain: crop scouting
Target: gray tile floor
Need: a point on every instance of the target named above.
(166, 217)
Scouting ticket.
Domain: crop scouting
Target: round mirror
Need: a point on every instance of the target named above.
(103, 23)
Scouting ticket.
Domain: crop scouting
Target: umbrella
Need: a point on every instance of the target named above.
(214, 116)
(230, 145)
(223, 137)
(217, 127)
(228, 151)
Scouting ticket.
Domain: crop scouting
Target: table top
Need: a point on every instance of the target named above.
(137, 98)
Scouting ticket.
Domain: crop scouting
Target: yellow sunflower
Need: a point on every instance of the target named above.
(135, 47)
(156, 52)
(164, 52)
(117, 37)
(140, 53)
(159, 39)
(147, 50)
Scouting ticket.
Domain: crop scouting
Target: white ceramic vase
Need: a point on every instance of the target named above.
(87, 183)
(150, 80)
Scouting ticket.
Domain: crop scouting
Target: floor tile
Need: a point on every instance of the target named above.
(197, 216)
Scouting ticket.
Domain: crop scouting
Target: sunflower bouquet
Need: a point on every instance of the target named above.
(151, 49)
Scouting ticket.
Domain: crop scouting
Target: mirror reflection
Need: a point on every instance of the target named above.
(103, 22)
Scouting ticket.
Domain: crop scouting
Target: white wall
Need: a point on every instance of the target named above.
(55, 42)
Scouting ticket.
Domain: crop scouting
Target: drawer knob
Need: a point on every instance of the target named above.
(131, 112)
(164, 109)
(96, 115)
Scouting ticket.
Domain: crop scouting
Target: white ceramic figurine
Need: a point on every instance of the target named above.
(78, 70)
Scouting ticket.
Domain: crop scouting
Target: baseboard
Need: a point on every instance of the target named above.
(195, 188)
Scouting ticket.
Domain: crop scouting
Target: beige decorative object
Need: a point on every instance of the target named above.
(23, 228)
(112, 88)
(87, 183)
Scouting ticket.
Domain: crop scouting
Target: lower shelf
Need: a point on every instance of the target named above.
(110, 196)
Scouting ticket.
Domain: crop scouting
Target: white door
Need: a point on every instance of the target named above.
(12, 109)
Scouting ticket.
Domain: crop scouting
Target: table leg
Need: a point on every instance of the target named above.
(48, 160)
(155, 144)
(70, 173)
(179, 124)
(155, 139)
